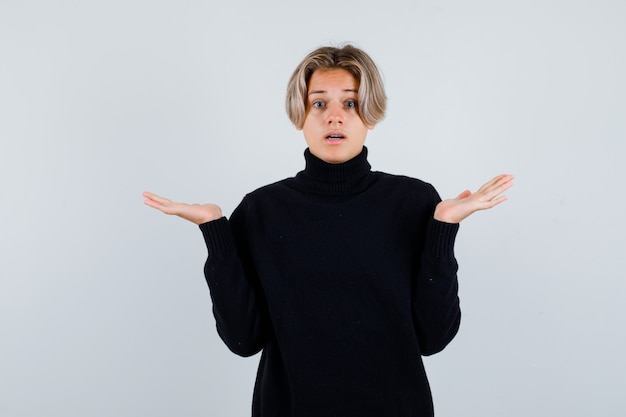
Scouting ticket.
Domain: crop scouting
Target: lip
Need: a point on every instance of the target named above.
(335, 136)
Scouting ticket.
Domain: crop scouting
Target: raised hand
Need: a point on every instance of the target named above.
(196, 213)
(489, 195)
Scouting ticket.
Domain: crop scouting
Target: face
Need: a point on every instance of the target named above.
(332, 127)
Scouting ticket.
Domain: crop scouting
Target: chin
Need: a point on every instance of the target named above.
(336, 158)
(335, 154)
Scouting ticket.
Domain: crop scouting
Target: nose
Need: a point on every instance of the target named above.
(335, 114)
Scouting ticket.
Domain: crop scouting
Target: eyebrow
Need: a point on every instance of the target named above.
(347, 90)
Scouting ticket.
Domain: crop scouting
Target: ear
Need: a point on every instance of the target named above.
(371, 127)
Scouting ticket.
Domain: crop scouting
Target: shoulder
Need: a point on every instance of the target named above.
(261, 200)
(266, 195)
(404, 183)
(408, 193)
(278, 187)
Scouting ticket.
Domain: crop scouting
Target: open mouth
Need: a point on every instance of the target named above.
(335, 137)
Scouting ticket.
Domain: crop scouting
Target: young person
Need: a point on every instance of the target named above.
(342, 276)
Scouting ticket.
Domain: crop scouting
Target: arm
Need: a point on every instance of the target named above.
(436, 309)
(238, 303)
(437, 312)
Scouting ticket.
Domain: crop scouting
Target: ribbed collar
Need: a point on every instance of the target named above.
(321, 177)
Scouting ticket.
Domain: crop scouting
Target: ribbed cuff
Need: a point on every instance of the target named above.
(218, 236)
(440, 238)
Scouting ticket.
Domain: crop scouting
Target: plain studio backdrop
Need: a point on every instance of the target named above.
(103, 306)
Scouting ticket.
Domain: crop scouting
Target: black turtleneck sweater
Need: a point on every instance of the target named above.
(344, 279)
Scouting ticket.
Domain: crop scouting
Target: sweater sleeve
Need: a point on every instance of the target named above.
(238, 302)
(436, 308)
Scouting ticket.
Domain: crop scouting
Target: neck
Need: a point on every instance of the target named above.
(348, 177)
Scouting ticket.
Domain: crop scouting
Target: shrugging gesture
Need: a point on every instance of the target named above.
(337, 291)
(489, 195)
(196, 213)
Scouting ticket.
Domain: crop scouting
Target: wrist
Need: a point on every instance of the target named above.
(445, 216)
(208, 213)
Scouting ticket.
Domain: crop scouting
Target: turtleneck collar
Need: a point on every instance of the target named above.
(348, 177)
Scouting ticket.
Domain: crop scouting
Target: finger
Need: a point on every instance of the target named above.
(503, 185)
(496, 201)
(503, 179)
(494, 197)
(153, 204)
(496, 181)
(160, 203)
(496, 186)
(158, 199)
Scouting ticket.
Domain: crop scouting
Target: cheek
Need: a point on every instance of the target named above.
(313, 117)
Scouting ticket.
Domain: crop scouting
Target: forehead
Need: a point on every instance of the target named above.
(323, 80)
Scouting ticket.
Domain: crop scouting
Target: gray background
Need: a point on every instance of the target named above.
(103, 306)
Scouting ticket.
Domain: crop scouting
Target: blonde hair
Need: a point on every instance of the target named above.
(372, 97)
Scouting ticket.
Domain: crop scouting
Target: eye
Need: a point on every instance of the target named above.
(351, 104)
(319, 104)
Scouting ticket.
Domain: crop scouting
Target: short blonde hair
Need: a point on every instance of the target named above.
(372, 97)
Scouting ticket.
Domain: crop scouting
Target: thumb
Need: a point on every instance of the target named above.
(464, 194)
